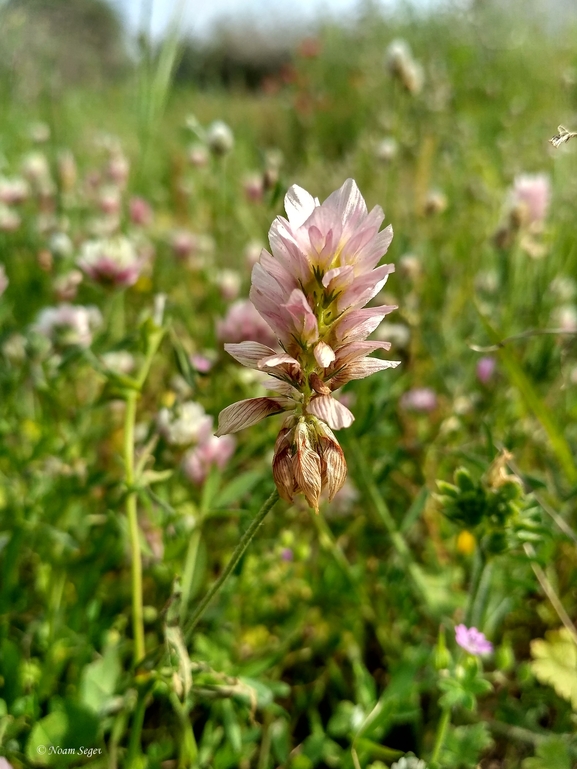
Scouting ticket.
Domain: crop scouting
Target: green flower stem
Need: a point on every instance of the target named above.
(245, 541)
(131, 514)
(189, 569)
(153, 339)
(479, 564)
(442, 727)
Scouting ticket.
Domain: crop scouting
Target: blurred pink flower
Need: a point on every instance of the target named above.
(529, 198)
(214, 451)
(485, 369)
(183, 243)
(111, 261)
(241, 322)
(140, 212)
(66, 286)
(253, 186)
(311, 291)
(472, 640)
(13, 190)
(419, 399)
(201, 363)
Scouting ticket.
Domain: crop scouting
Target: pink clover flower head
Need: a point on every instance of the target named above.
(111, 261)
(312, 291)
(140, 211)
(472, 640)
(419, 399)
(213, 452)
(3, 279)
(69, 324)
(486, 368)
(242, 321)
(529, 198)
(5, 764)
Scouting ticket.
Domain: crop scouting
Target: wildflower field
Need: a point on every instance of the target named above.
(288, 456)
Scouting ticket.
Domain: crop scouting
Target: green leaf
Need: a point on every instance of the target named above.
(69, 728)
(552, 753)
(237, 488)
(555, 663)
(98, 680)
(464, 746)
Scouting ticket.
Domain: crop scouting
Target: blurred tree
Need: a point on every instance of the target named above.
(60, 42)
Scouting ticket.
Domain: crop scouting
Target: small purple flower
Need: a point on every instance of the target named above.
(287, 554)
(472, 640)
(485, 369)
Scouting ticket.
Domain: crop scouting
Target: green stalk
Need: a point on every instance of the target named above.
(245, 541)
(131, 514)
(442, 727)
(189, 569)
(153, 339)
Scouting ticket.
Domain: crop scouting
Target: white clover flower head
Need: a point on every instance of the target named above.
(111, 261)
(409, 761)
(69, 324)
(119, 361)
(185, 424)
(13, 190)
(60, 244)
(219, 138)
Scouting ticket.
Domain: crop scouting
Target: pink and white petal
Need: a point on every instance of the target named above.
(249, 353)
(364, 288)
(338, 278)
(283, 388)
(274, 267)
(299, 205)
(359, 369)
(332, 412)
(286, 247)
(302, 315)
(358, 324)
(362, 235)
(370, 255)
(276, 359)
(348, 203)
(324, 354)
(354, 350)
(246, 413)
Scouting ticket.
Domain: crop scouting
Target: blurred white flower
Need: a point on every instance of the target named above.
(69, 324)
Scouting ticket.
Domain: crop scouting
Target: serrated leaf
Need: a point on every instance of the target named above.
(555, 663)
(464, 746)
